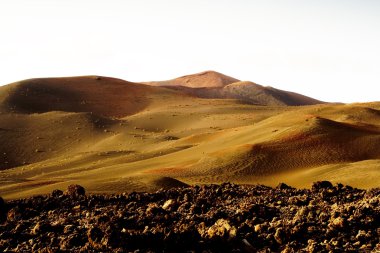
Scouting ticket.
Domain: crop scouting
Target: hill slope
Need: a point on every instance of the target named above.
(100, 95)
(134, 137)
(47, 117)
(257, 94)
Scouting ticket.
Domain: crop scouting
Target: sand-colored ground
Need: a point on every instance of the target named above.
(111, 135)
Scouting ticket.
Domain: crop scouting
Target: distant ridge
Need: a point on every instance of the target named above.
(106, 96)
(206, 79)
(212, 84)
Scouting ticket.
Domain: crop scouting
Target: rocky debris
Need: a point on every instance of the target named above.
(221, 229)
(73, 191)
(338, 223)
(207, 218)
(279, 236)
(169, 204)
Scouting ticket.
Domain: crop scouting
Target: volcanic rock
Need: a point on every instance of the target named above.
(74, 191)
(207, 218)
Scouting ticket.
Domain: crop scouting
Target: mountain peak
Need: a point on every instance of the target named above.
(205, 79)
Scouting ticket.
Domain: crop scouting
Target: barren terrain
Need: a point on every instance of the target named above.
(111, 135)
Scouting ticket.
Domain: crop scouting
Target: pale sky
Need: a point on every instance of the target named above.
(326, 49)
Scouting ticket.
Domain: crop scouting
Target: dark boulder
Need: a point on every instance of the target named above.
(14, 214)
(283, 186)
(95, 236)
(320, 185)
(74, 191)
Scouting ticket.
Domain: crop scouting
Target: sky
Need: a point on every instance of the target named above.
(329, 50)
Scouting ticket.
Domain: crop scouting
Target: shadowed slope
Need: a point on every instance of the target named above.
(100, 95)
(257, 94)
(167, 182)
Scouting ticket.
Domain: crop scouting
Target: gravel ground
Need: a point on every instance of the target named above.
(208, 218)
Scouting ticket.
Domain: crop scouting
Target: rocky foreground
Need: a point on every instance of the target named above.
(209, 218)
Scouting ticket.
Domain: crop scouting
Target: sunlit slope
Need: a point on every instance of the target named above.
(289, 142)
(319, 142)
(294, 146)
(109, 157)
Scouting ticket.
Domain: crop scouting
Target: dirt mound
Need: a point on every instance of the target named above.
(167, 183)
(212, 218)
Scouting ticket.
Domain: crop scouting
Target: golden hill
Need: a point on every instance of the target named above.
(111, 135)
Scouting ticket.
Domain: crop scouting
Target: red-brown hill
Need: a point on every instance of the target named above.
(103, 96)
(211, 84)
